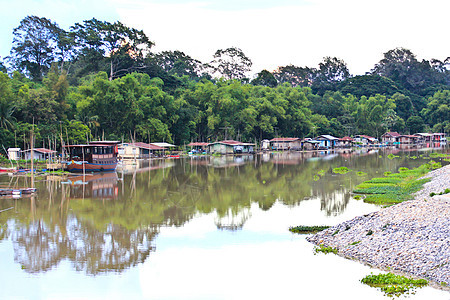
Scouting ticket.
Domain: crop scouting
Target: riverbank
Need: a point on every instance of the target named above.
(412, 237)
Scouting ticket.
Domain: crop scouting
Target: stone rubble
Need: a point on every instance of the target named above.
(412, 237)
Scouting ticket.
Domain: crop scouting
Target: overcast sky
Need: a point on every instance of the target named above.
(271, 33)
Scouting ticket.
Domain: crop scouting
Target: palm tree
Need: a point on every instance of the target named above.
(6, 114)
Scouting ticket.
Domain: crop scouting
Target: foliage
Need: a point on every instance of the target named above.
(325, 249)
(341, 170)
(307, 229)
(393, 285)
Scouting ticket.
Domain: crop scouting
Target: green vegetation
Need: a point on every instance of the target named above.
(118, 88)
(341, 170)
(394, 285)
(355, 243)
(392, 156)
(446, 191)
(360, 173)
(325, 250)
(357, 197)
(395, 187)
(307, 229)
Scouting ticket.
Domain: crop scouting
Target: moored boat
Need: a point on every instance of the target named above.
(98, 156)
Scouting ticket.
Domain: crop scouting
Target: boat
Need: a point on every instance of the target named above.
(17, 192)
(99, 156)
(7, 170)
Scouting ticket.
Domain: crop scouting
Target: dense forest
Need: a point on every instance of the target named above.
(101, 80)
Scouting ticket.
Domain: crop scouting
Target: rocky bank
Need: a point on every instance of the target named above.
(412, 237)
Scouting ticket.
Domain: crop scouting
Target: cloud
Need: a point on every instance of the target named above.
(358, 32)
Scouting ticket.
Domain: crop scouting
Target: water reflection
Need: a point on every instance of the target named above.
(108, 222)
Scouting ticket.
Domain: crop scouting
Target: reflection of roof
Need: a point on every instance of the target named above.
(144, 146)
(284, 139)
(197, 144)
(164, 145)
(41, 150)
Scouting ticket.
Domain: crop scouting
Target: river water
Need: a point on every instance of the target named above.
(191, 228)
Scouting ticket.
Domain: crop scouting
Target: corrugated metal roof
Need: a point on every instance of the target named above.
(284, 139)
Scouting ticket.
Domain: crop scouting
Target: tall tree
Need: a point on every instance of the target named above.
(331, 71)
(296, 76)
(231, 63)
(265, 78)
(34, 44)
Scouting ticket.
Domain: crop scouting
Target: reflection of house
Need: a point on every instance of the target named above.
(345, 142)
(39, 153)
(100, 185)
(390, 138)
(137, 150)
(285, 144)
(365, 139)
(327, 141)
(230, 147)
(198, 146)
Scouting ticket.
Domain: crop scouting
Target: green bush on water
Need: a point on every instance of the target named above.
(341, 170)
(308, 229)
(325, 250)
(393, 285)
(395, 187)
(392, 156)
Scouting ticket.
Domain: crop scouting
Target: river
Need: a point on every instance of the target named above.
(192, 228)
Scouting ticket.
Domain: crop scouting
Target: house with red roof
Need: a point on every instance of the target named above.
(390, 138)
(39, 154)
(138, 150)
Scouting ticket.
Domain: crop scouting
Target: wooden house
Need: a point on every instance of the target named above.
(198, 147)
(390, 138)
(230, 147)
(138, 150)
(310, 144)
(439, 137)
(39, 154)
(424, 138)
(407, 139)
(344, 142)
(13, 153)
(327, 141)
(285, 144)
(365, 140)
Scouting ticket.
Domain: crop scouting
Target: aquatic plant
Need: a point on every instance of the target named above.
(316, 178)
(341, 170)
(394, 285)
(308, 229)
(357, 197)
(392, 156)
(325, 249)
(321, 173)
(446, 191)
(360, 173)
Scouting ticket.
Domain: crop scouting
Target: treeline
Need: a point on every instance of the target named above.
(101, 80)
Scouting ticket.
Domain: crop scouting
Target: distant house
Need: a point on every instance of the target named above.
(198, 146)
(39, 154)
(439, 137)
(137, 150)
(310, 144)
(424, 138)
(390, 138)
(265, 144)
(285, 144)
(407, 139)
(344, 142)
(164, 145)
(327, 141)
(365, 140)
(13, 153)
(230, 147)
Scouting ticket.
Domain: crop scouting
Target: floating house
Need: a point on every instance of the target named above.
(390, 138)
(166, 146)
(265, 144)
(439, 137)
(310, 144)
(345, 142)
(365, 140)
(327, 141)
(13, 153)
(138, 150)
(198, 147)
(285, 144)
(39, 154)
(230, 147)
(407, 139)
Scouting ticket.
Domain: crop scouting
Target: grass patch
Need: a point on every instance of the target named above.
(341, 170)
(395, 187)
(307, 229)
(325, 250)
(394, 285)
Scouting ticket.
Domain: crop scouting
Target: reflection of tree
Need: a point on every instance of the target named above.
(39, 248)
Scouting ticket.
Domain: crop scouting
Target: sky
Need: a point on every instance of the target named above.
(271, 33)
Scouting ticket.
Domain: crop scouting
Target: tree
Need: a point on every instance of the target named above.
(122, 46)
(265, 78)
(231, 63)
(331, 71)
(296, 76)
(179, 64)
(34, 45)
(415, 124)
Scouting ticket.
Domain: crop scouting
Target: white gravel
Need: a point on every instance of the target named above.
(412, 237)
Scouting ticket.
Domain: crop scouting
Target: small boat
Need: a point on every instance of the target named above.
(7, 170)
(17, 192)
(98, 156)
